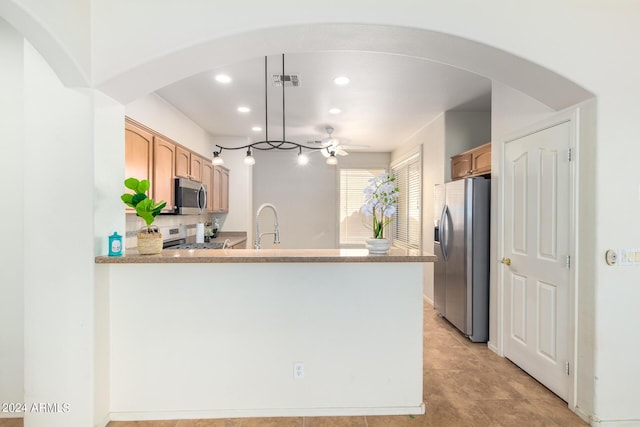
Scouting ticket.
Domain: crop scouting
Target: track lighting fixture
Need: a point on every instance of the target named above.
(267, 144)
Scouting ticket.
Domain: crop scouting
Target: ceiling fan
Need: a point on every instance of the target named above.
(333, 145)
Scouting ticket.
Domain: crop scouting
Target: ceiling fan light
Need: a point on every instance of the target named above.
(335, 111)
(332, 159)
(341, 80)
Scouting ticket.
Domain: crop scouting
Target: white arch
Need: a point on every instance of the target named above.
(532, 79)
(536, 81)
(67, 68)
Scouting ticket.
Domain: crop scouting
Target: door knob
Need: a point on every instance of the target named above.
(506, 261)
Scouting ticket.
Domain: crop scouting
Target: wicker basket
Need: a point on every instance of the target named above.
(149, 243)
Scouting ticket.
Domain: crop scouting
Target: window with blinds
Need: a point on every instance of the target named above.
(408, 219)
(352, 184)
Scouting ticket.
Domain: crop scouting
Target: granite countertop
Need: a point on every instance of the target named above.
(204, 256)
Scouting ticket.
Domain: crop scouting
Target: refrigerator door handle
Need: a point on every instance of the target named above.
(444, 231)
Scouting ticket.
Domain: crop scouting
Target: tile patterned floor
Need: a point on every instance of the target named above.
(465, 385)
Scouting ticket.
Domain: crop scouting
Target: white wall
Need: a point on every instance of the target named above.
(432, 139)
(220, 340)
(306, 197)
(157, 114)
(60, 30)
(241, 215)
(58, 245)
(12, 173)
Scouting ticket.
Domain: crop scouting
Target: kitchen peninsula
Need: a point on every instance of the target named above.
(269, 332)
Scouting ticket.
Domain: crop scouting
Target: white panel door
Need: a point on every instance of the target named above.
(536, 249)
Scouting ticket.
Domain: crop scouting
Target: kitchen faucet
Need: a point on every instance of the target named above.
(276, 232)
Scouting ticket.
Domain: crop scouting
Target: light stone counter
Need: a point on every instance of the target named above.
(185, 256)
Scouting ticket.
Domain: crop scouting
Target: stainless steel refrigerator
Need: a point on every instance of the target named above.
(461, 243)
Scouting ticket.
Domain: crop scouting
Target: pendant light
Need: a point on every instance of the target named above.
(282, 144)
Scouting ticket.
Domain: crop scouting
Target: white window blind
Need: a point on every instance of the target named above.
(408, 220)
(352, 185)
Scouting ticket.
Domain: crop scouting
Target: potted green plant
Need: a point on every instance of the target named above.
(381, 200)
(149, 236)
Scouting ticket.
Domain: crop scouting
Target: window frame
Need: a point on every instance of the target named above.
(368, 167)
(413, 157)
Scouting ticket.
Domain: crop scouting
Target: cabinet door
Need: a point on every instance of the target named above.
(164, 161)
(138, 152)
(220, 189)
(217, 179)
(481, 160)
(195, 170)
(183, 162)
(460, 166)
(224, 191)
(207, 179)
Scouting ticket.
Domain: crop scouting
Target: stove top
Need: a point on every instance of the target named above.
(209, 245)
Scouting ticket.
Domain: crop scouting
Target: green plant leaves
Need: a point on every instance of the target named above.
(131, 183)
(145, 207)
(137, 185)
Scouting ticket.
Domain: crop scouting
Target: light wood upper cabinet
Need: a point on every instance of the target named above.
(207, 179)
(164, 161)
(183, 162)
(196, 167)
(460, 166)
(188, 164)
(474, 162)
(150, 155)
(138, 152)
(481, 160)
(220, 189)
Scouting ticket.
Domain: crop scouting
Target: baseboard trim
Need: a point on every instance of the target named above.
(265, 412)
(596, 422)
(427, 299)
(103, 423)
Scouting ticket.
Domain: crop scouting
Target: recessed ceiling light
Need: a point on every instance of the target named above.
(342, 80)
(256, 128)
(244, 109)
(335, 111)
(223, 78)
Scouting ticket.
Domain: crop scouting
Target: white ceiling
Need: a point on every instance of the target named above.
(389, 98)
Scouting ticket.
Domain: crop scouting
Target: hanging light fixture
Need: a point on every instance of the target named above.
(282, 144)
(217, 160)
(249, 160)
(303, 159)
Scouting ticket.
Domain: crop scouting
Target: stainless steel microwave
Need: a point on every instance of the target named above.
(191, 197)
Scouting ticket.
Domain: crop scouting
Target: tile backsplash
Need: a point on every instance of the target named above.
(134, 223)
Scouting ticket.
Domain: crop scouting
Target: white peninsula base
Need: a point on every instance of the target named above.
(221, 340)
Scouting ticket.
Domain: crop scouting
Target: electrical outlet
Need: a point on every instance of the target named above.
(298, 370)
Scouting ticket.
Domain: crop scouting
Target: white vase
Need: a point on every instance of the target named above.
(378, 246)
